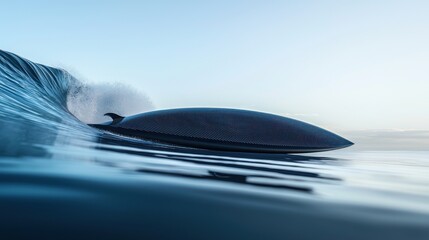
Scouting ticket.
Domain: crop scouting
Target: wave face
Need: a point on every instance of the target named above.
(61, 179)
(32, 91)
(33, 103)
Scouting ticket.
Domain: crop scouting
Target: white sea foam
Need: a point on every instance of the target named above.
(89, 102)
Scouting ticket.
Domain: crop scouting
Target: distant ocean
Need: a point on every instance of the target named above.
(60, 179)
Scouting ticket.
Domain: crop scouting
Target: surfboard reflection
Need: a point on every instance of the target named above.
(281, 171)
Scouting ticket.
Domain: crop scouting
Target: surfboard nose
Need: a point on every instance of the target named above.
(343, 143)
(330, 140)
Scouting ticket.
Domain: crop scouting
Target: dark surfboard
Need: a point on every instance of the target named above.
(226, 130)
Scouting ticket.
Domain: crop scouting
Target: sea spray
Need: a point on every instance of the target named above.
(89, 102)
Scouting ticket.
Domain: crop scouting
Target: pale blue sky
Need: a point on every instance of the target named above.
(343, 65)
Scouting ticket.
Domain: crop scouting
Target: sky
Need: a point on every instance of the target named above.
(349, 66)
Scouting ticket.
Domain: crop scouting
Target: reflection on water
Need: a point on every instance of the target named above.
(267, 170)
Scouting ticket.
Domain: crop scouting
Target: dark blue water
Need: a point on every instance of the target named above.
(60, 179)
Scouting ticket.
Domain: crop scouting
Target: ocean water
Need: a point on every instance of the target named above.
(60, 179)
